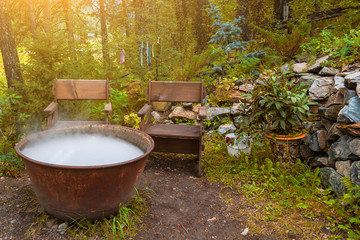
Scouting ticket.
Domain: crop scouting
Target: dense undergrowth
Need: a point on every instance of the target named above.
(287, 194)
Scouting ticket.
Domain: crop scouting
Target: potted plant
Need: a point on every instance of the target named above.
(280, 106)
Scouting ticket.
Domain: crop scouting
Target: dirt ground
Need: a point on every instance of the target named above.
(182, 206)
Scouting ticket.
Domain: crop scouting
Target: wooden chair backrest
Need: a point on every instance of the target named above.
(81, 89)
(176, 91)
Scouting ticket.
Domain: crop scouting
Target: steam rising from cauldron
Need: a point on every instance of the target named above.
(81, 150)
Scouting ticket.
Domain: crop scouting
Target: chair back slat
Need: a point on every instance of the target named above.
(176, 91)
(81, 89)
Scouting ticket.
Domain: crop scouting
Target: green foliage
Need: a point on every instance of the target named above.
(10, 165)
(279, 104)
(343, 49)
(287, 42)
(287, 194)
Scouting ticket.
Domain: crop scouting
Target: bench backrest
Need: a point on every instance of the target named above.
(176, 91)
(81, 89)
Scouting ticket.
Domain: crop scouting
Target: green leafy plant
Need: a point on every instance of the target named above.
(278, 104)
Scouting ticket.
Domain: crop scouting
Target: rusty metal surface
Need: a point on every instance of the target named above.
(92, 192)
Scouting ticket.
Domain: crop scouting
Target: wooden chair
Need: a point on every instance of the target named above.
(174, 138)
(78, 89)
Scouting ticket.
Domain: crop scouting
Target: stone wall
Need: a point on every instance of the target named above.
(334, 140)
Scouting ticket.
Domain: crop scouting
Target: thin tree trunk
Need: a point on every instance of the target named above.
(47, 16)
(125, 11)
(8, 48)
(201, 29)
(32, 18)
(104, 36)
(69, 27)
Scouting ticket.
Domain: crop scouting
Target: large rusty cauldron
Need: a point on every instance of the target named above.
(93, 192)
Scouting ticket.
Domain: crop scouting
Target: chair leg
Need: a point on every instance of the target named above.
(201, 148)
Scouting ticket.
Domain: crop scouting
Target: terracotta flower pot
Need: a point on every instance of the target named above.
(285, 146)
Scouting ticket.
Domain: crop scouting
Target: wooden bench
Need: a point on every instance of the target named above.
(77, 89)
(175, 138)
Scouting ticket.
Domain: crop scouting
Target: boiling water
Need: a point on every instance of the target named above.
(82, 150)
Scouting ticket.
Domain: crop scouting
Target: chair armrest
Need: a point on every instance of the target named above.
(144, 110)
(202, 112)
(108, 108)
(51, 108)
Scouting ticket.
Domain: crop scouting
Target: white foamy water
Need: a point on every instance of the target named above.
(82, 150)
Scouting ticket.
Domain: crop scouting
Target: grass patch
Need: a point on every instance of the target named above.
(281, 197)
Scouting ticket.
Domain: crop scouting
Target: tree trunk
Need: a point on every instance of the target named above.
(32, 18)
(47, 16)
(125, 12)
(201, 24)
(69, 27)
(278, 9)
(8, 48)
(139, 21)
(104, 36)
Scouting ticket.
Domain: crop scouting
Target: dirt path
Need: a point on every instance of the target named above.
(181, 207)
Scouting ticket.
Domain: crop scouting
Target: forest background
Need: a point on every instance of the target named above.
(131, 41)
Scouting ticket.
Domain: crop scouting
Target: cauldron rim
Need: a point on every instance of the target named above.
(33, 136)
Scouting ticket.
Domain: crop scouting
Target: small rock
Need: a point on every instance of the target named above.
(187, 106)
(324, 161)
(245, 232)
(316, 67)
(328, 71)
(285, 68)
(300, 67)
(247, 87)
(214, 112)
(167, 121)
(62, 228)
(13, 221)
(225, 128)
(161, 106)
(339, 82)
(180, 112)
(156, 116)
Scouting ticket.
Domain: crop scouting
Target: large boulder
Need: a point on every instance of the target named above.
(348, 94)
(308, 79)
(343, 168)
(321, 88)
(332, 112)
(340, 150)
(355, 173)
(354, 146)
